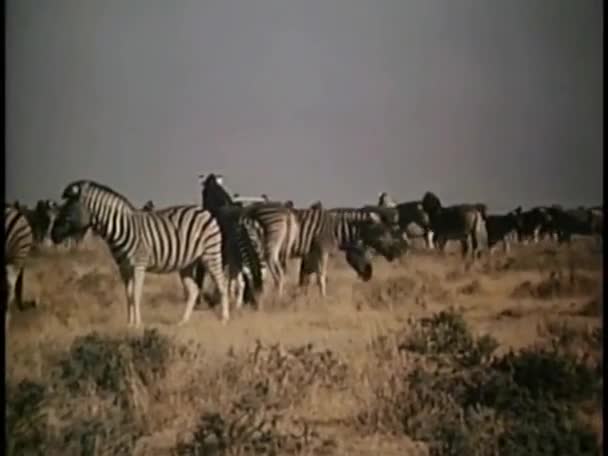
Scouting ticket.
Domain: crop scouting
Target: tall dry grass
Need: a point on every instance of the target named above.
(375, 368)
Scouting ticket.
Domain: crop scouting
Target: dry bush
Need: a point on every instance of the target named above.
(266, 383)
(95, 399)
(464, 401)
(106, 395)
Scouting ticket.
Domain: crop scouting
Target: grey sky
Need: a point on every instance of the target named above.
(486, 100)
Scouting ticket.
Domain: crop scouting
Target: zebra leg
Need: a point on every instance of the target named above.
(199, 278)
(18, 296)
(213, 266)
(127, 278)
(188, 277)
(464, 246)
(138, 287)
(323, 260)
(239, 290)
(11, 281)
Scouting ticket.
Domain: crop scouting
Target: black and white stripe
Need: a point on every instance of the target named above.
(178, 238)
(321, 231)
(278, 227)
(240, 248)
(18, 242)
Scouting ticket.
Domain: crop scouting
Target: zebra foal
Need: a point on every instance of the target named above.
(174, 239)
(18, 242)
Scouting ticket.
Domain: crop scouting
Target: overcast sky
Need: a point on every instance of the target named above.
(476, 100)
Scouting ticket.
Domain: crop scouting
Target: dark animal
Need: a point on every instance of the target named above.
(501, 227)
(240, 238)
(462, 222)
(580, 221)
(174, 239)
(534, 223)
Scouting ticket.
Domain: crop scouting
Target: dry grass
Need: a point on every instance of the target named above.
(302, 376)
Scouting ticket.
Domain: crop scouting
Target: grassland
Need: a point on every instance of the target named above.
(429, 357)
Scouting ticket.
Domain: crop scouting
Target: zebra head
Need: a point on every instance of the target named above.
(42, 219)
(357, 258)
(73, 218)
(215, 196)
(383, 238)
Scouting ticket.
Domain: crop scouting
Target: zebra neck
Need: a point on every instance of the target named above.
(114, 227)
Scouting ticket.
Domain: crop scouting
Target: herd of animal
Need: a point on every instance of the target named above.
(238, 242)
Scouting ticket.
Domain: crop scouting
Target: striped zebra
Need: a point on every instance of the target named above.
(320, 231)
(243, 235)
(174, 239)
(279, 228)
(18, 242)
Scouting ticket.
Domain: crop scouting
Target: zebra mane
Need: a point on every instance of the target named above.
(92, 185)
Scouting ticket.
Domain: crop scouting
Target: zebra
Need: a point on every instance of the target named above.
(271, 224)
(279, 226)
(320, 231)
(42, 219)
(18, 242)
(240, 240)
(174, 239)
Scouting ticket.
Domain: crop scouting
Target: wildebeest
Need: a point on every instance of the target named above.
(463, 222)
(534, 222)
(579, 221)
(500, 227)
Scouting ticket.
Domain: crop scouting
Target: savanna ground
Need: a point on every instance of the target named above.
(426, 358)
